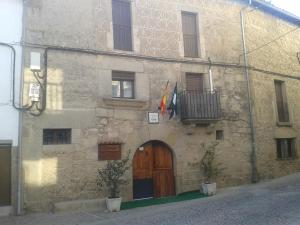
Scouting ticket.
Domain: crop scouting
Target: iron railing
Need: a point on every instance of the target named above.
(200, 106)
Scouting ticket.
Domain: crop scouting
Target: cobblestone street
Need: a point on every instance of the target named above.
(270, 203)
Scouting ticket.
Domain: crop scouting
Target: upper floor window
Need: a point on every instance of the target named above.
(121, 16)
(286, 148)
(194, 82)
(190, 34)
(281, 101)
(56, 136)
(122, 84)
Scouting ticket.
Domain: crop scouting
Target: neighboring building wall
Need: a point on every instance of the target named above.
(279, 55)
(79, 94)
(11, 33)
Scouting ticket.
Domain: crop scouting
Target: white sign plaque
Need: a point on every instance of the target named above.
(153, 117)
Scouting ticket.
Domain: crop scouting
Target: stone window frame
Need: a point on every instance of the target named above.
(201, 39)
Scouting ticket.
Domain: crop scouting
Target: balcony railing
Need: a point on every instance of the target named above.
(200, 106)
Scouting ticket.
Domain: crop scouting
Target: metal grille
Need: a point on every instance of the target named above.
(200, 105)
(286, 148)
(56, 136)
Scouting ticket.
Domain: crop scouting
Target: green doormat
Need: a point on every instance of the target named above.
(157, 201)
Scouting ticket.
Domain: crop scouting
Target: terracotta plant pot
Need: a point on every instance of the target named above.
(209, 188)
(113, 204)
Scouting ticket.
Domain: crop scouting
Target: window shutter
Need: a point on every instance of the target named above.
(121, 14)
(194, 82)
(190, 34)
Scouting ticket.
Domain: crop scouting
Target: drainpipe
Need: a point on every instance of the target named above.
(20, 161)
(254, 173)
(211, 85)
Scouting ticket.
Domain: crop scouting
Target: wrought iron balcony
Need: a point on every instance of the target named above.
(200, 106)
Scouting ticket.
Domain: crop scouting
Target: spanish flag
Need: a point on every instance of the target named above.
(163, 102)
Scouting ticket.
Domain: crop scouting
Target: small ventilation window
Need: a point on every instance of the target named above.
(219, 135)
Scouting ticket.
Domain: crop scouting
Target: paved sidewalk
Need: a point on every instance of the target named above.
(270, 203)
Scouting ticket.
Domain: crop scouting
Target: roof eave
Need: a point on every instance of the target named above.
(276, 11)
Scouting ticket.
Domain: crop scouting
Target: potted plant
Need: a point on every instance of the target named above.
(210, 170)
(110, 177)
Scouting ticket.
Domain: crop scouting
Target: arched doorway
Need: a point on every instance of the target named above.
(153, 173)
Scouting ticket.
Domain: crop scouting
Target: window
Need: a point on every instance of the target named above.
(281, 101)
(121, 16)
(56, 136)
(219, 135)
(122, 84)
(286, 148)
(190, 34)
(194, 82)
(109, 152)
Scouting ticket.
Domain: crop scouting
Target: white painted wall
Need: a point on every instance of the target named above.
(10, 32)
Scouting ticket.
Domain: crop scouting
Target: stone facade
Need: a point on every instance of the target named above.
(279, 56)
(79, 93)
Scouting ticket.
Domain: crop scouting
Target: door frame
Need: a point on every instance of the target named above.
(173, 163)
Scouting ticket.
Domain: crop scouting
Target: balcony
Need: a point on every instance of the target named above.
(201, 107)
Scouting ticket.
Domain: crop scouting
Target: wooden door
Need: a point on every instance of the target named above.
(163, 177)
(153, 171)
(143, 173)
(5, 175)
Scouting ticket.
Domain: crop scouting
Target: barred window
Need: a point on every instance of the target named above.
(286, 148)
(56, 136)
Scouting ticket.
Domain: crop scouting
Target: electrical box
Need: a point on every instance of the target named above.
(34, 92)
(35, 61)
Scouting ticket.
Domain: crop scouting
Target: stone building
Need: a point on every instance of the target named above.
(105, 65)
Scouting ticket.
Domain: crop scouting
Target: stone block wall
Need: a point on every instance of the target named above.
(273, 48)
(79, 95)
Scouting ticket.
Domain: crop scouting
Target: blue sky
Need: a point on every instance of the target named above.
(292, 6)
